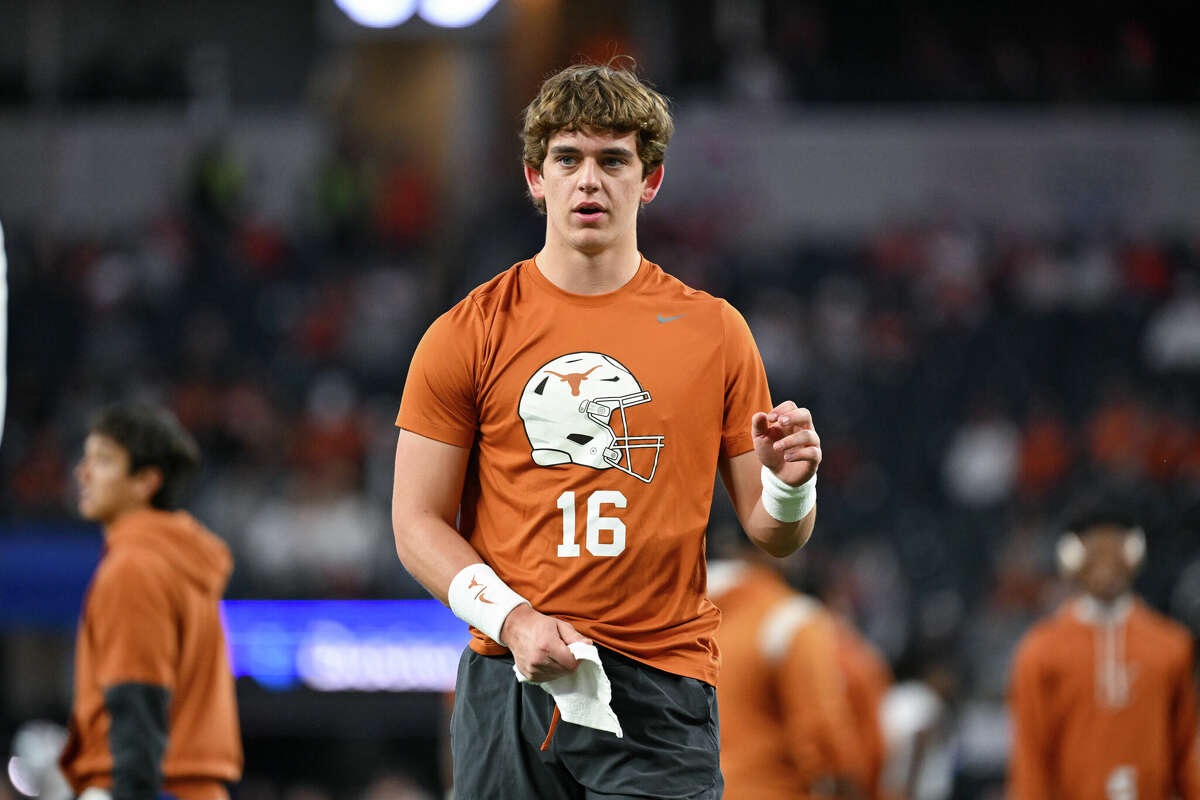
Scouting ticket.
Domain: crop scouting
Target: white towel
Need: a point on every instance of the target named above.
(583, 696)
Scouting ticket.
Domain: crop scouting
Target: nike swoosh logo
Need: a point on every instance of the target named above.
(661, 318)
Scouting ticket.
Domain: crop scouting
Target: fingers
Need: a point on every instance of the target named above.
(568, 634)
(544, 655)
(759, 425)
(788, 414)
(782, 408)
(801, 445)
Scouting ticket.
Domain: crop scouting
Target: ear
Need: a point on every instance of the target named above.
(146, 483)
(1071, 553)
(652, 183)
(1134, 549)
(533, 179)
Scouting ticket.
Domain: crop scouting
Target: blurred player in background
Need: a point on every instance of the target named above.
(1103, 693)
(867, 678)
(788, 729)
(154, 710)
(561, 429)
(3, 332)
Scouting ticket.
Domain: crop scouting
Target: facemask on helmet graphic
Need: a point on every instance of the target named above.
(569, 407)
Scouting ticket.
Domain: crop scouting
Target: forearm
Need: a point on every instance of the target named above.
(431, 550)
(778, 517)
(778, 538)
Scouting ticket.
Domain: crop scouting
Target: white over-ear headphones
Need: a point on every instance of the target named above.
(1071, 552)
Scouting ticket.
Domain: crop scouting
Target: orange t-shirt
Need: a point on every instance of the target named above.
(1104, 709)
(595, 424)
(786, 720)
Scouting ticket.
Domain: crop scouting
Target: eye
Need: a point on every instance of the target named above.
(614, 161)
(566, 161)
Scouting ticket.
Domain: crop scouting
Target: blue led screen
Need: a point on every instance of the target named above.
(345, 645)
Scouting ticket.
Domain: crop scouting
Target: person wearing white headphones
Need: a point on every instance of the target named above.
(1103, 693)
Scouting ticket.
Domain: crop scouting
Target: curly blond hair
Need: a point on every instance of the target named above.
(607, 97)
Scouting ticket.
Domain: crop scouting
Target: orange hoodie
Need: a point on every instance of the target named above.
(152, 616)
(868, 678)
(1104, 705)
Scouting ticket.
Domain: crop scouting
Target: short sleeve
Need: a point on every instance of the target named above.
(746, 390)
(439, 399)
(133, 624)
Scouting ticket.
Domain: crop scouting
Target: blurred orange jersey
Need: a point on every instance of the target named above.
(786, 721)
(868, 679)
(595, 424)
(1104, 706)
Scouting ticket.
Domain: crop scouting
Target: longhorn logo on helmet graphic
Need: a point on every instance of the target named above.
(568, 406)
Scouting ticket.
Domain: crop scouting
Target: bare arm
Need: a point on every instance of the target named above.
(786, 442)
(426, 493)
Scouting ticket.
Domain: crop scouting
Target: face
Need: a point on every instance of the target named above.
(106, 487)
(592, 184)
(1105, 573)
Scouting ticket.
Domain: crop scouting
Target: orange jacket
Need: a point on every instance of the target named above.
(786, 721)
(152, 616)
(1104, 706)
(868, 679)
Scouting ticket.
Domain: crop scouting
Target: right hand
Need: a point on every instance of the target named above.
(539, 643)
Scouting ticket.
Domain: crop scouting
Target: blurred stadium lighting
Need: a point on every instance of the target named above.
(378, 13)
(390, 13)
(454, 13)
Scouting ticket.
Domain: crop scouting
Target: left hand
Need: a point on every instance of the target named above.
(786, 442)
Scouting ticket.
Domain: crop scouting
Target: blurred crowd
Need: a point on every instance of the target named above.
(967, 381)
(931, 52)
(817, 51)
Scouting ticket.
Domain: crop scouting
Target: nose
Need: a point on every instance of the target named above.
(589, 176)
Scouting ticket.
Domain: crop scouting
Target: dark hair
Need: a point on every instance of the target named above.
(153, 437)
(1100, 511)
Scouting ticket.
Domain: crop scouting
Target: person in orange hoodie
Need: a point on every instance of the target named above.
(868, 678)
(1103, 693)
(154, 709)
(787, 726)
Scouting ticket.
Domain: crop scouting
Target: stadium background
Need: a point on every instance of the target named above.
(988, 218)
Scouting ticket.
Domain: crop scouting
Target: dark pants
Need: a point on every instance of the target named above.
(670, 748)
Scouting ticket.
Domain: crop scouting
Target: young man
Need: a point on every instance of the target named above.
(1103, 693)
(154, 712)
(788, 729)
(560, 430)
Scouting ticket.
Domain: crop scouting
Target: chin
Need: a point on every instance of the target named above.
(590, 244)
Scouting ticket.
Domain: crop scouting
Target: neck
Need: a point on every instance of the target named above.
(122, 512)
(1093, 608)
(588, 273)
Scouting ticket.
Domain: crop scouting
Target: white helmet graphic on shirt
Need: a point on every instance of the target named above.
(568, 407)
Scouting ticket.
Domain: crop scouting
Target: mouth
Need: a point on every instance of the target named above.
(589, 211)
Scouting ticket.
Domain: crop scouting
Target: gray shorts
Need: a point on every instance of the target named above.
(670, 748)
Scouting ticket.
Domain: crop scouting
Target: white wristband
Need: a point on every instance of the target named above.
(479, 598)
(785, 502)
